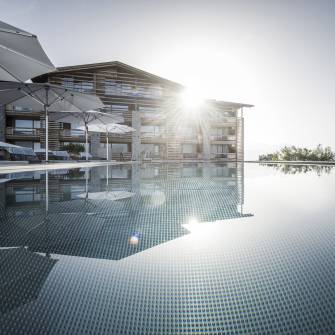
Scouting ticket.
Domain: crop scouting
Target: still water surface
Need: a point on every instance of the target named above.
(168, 249)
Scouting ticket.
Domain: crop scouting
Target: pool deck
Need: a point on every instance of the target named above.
(12, 168)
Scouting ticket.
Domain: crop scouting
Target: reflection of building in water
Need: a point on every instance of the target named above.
(156, 201)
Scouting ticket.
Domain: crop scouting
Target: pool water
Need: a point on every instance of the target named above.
(188, 248)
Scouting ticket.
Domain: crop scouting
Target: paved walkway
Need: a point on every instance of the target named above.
(55, 166)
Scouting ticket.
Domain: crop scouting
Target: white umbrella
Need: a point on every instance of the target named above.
(21, 55)
(109, 128)
(86, 118)
(46, 97)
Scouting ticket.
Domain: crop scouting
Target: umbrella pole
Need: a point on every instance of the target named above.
(46, 134)
(107, 158)
(46, 125)
(86, 141)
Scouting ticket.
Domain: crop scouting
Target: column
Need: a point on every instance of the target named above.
(2, 123)
(206, 138)
(95, 144)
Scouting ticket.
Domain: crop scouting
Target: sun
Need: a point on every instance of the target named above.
(191, 98)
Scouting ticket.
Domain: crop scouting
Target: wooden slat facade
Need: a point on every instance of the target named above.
(156, 102)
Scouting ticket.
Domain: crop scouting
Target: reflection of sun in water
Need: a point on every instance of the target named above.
(134, 239)
(192, 220)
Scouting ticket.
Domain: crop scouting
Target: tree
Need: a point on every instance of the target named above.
(294, 153)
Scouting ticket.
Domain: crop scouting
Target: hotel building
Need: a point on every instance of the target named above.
(166, 128)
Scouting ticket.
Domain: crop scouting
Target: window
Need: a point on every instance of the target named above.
(23, 123)
(189, 148)
(22, 109)
(68, 83)
(156, 91)
(83, 86)
(119, 147)
(79, 86)
(223, 134)
(112, 87)
(37, 146)
(152, 150)
(150, 112)
(150, 131)
(229, 113)
(26, 144)
(188, 133)
(119, 173)
(221, 150)
(27, 195)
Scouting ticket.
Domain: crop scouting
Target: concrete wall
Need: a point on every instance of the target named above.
(206, 145)
(95, 144)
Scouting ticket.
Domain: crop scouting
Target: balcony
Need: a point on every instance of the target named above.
(117, 138)
(223, 138)
(72, 135)
(190, 155)
(229, 156)
(23, 133)
(152, 138)
(154, 118)
(225, 121)
(12, 111)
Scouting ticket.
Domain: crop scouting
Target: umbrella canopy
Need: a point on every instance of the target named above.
(81, 119)
(47, 97)
(113, 128)
(37, 96)
(86, 118)
(21, 55)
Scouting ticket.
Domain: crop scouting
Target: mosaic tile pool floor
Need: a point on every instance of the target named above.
(168, 249)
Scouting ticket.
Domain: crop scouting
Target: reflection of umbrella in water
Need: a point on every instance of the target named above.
(108, 195)
(23, 274)
(104, 195)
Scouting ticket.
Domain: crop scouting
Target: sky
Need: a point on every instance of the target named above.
(276, 55)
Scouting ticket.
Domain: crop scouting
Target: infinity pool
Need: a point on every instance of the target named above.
(168, 249)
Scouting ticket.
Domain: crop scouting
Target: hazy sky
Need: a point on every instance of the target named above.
(278, 55)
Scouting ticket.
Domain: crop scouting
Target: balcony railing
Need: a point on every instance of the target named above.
(223, 138)
(72, 133)
(190, 155)
(225, 120)
(152, 116)
(223, 155)
(152, 136)
(22, 131)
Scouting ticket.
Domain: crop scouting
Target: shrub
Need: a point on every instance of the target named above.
(73, 148)
(293, 153)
